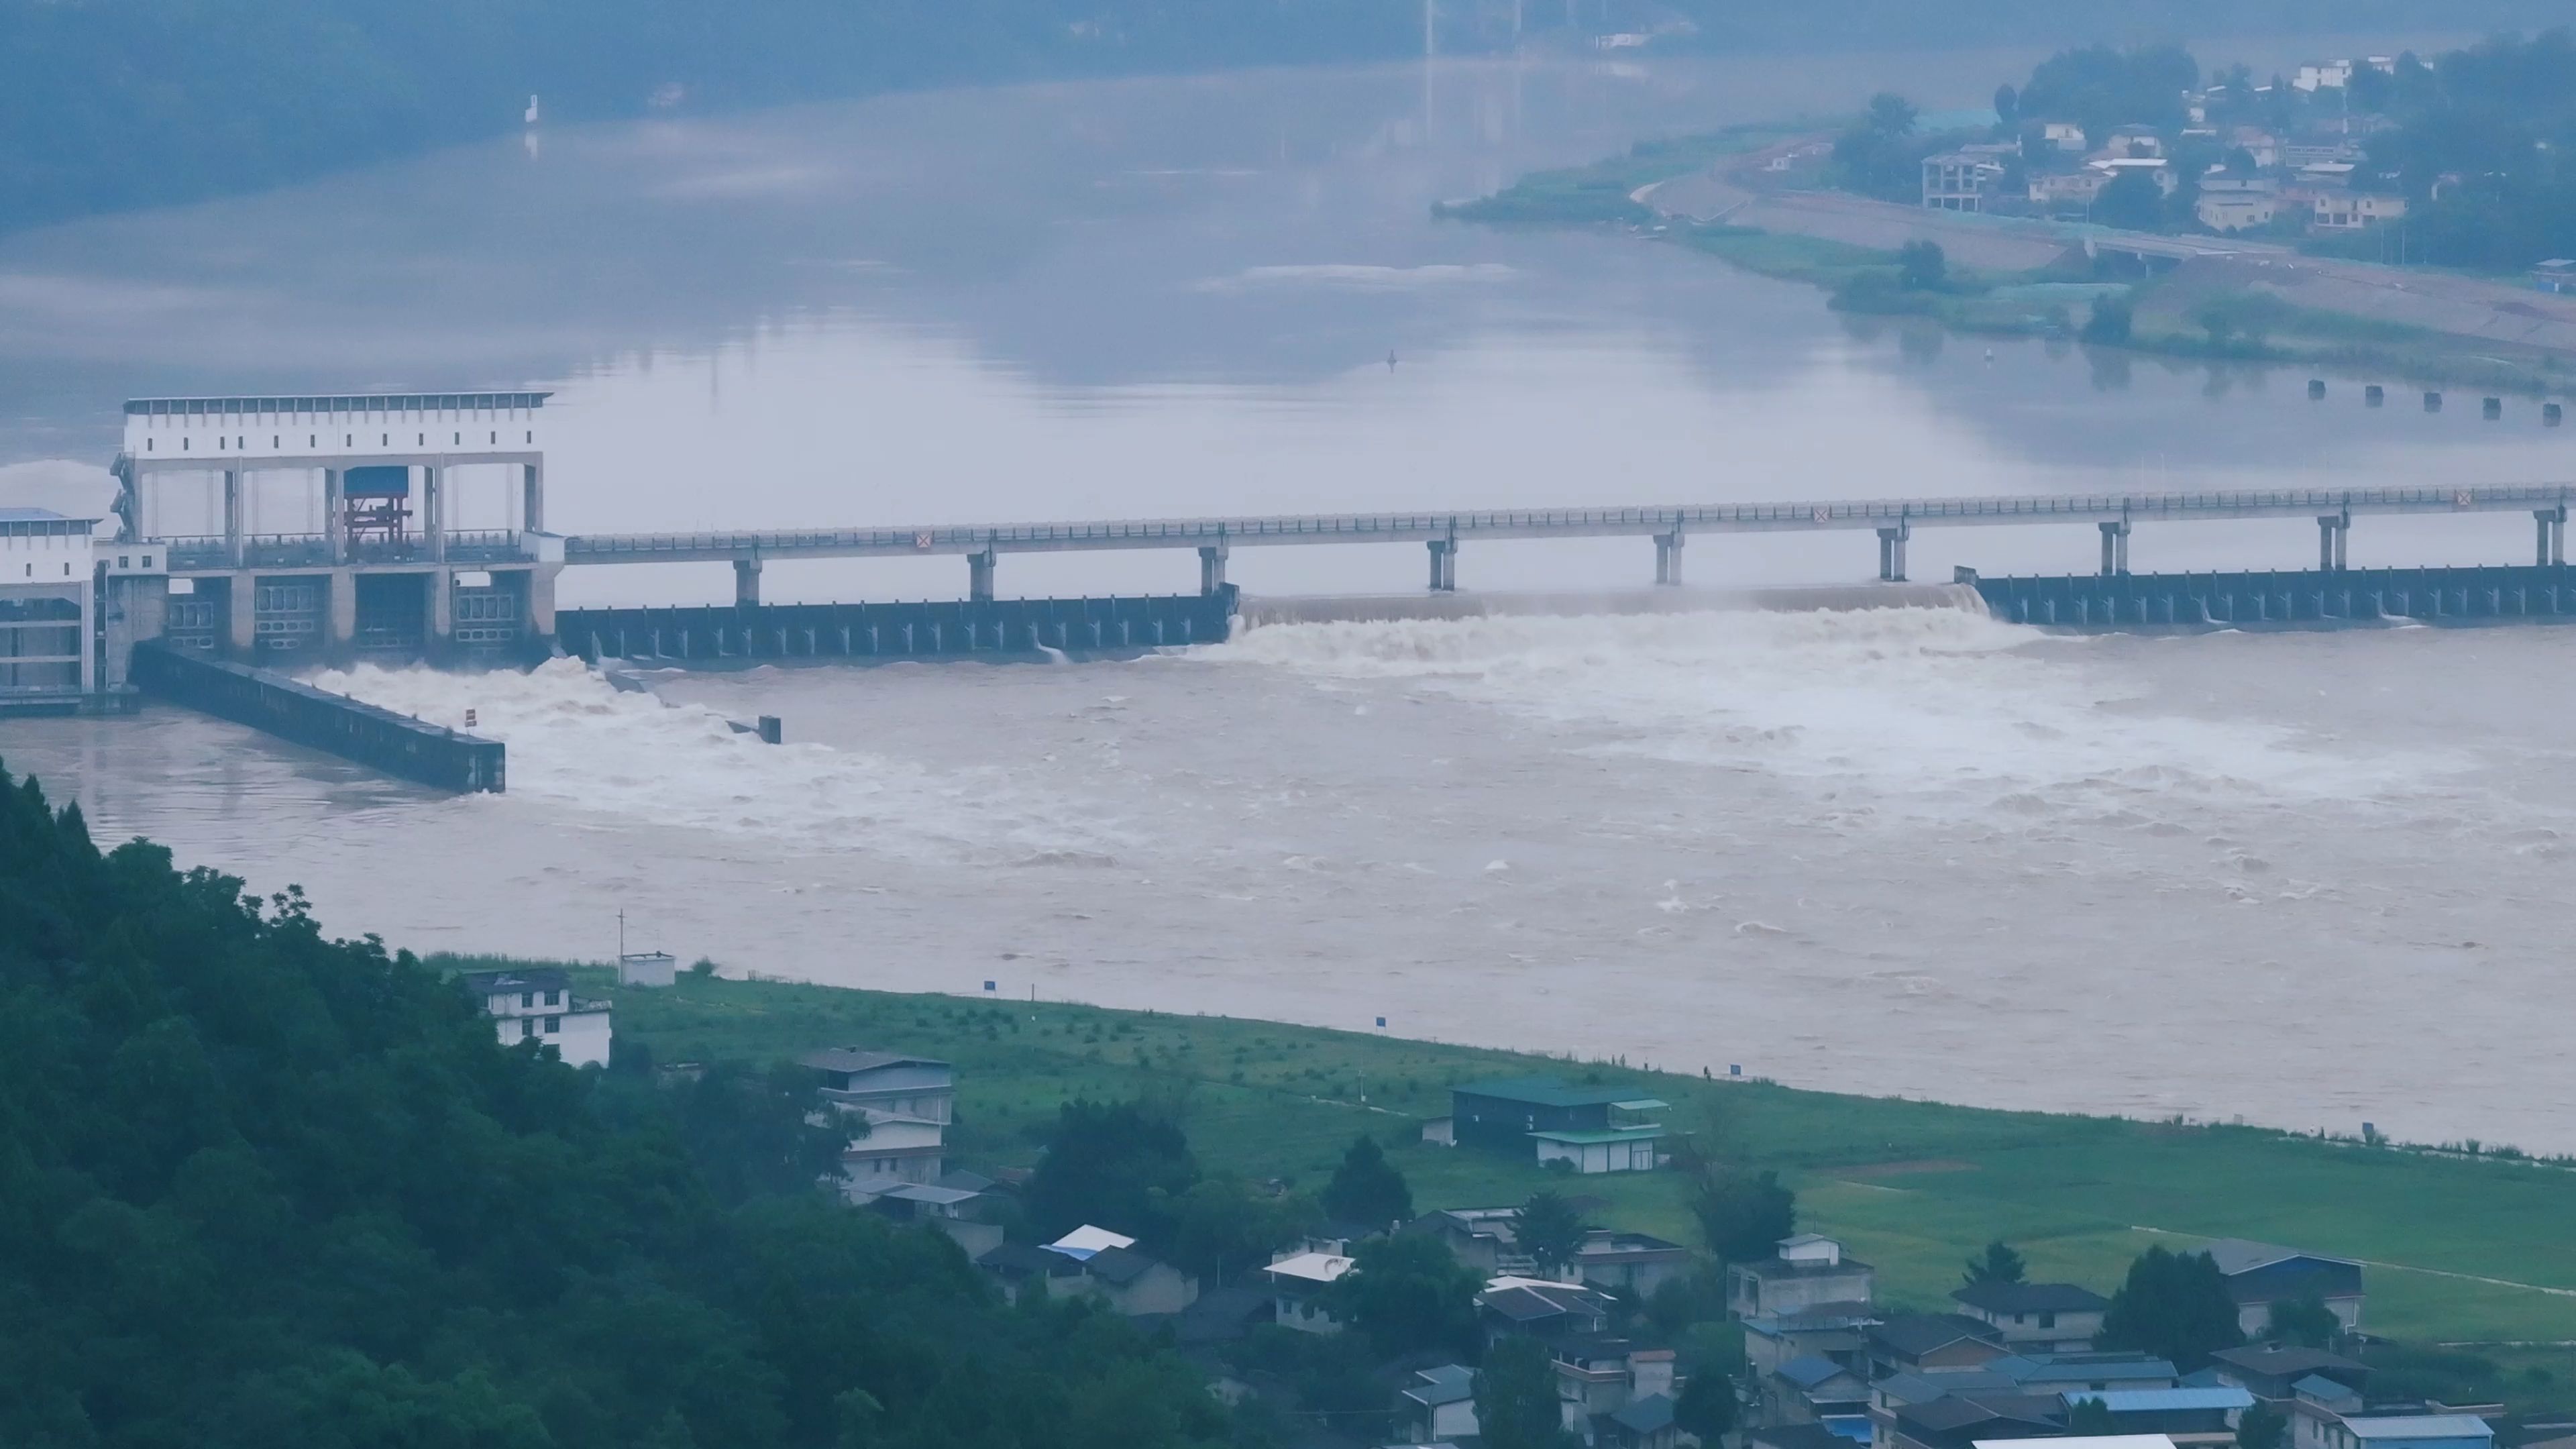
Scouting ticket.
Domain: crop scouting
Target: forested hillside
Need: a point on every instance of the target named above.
(116, 103)
(258, 1188)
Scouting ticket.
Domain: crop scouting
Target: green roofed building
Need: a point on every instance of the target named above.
(1597, 1129)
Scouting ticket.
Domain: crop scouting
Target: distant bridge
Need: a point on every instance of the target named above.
(1893, 519)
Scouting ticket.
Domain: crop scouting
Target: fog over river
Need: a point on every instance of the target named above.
(2306, 879)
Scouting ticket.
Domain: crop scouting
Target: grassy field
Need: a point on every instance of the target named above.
(2461, 1249)
(1599, 191)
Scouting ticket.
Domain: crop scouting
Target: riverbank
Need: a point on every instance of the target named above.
(1724, 194)
(2461, 1248)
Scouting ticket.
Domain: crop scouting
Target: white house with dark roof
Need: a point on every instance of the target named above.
(538, 1006)
(906, 1103)
(2035, 1317)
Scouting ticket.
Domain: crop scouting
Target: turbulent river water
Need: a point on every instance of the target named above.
(2307, 879)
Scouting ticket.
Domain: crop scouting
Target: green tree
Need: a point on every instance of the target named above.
(262, 1187)
(1408, 1293)
(1891, 115)
(2133, 201)
(1367, 1189)
(1997, 1264)
(2172, 1305)
(1922, 266)
(1549, 1230)
(1225, 1226)
(2305, 1321)
(2263, 1427)
(1743, 1215)
(2090, 1418)
(1516, 1403)
(1116, 1165)
(2108, 323)
(2008, 108)
(1706, 1404)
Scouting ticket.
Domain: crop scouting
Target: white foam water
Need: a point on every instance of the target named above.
(1921, 708)
(576, 741)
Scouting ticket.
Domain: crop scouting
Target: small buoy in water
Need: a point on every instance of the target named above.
(1990, 354)
(1390, 359)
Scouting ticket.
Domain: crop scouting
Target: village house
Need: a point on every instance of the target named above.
(2112, 168)
(1542, 1309)
(2193, 1418)
(1836, 1332)
(1132, 1283)
(1961, 180)
(2134, 142)
(2035, 1317)
(1439, 1406)
(538, 1006)
(1888, 1395)
(2065, 136)
(1806, 1271)
(1962, 1421)
(1594, 1129)
(2274, 1374)
(1632, 1265)
(1297, 1284)
(2067, 190)
(958, 1212)
(2323, 75)
(2354, 210)
(2558, 274)
(2261, 1274)
(1022, 1270)
(2403, 1431)
(1931, 1343)
(2097, 1372)
(1811, 1390)
(1485, 1240)
(905, 1102)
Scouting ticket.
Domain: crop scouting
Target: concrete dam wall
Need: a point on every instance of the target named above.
(295, 711)
(719, 636)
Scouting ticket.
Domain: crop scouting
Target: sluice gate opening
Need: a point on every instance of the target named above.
(2284, 599)
(718, 635)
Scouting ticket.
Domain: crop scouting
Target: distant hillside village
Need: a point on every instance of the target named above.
(2456, 160)
(1357, 1318)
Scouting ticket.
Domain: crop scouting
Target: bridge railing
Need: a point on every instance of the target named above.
(1362, 527)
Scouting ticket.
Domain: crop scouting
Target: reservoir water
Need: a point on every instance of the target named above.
(2306, 879)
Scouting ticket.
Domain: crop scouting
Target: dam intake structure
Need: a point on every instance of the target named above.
(2283, 599)
(719, 636)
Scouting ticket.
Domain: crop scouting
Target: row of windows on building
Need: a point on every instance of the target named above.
(314, 440)
(528, 1026)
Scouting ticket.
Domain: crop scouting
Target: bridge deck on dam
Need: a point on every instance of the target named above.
(1901, 514)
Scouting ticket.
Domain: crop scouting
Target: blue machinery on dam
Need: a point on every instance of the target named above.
(2284, 599)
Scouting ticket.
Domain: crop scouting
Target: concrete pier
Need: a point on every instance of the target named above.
(1891, 553)
(292, 710)
(1444, 565)
(746, 582)
(1668, 559)
(731, 637)
(1258, 612)
(979, 576)
(2551, 527)
(1212, 560)
(2115, 548)
(2332, 531)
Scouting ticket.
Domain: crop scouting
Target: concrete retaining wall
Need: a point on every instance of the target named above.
(294, 711)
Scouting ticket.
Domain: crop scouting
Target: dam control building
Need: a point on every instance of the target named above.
(287, 529)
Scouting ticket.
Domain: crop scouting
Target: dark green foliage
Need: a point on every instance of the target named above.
(1743, 1215)
(1226, 1227)
(1408, 1293)
(1997, 1264)
(1516, 1405)
(1883, 156)
(1706, 1404)
(2133, 201)
(2263, 1427)
(1366, 1189)
(1922, 266)
(2410, 1371)
(2172, 1305)
(1117, 1165)
(2091, 1418)
(2103, 88)
(261, 1188)
(2493, 128)
(2305, 1321)
(1548, 1229)
(2108, 323)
